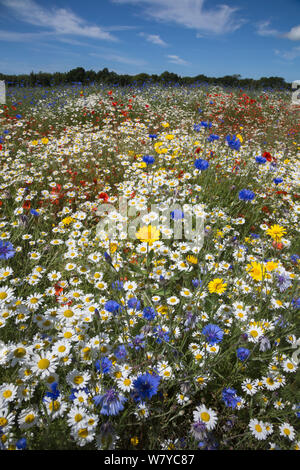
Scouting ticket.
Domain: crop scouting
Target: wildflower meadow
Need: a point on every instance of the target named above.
(149, 268)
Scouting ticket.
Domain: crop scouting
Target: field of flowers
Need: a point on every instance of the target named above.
(132, 337)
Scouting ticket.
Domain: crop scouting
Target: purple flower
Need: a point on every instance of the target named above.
(201, 164)
(149, 313)
(246, 195)
(243, 354)
(111, 402)
(177, 214)
(261, 160)
(112, 306)
(283, 282)
(104, 365)
(233, 142)
(6, 250)
(148, 159)
(230, 398)
(120, 352)
(138, 342)
(146, 386)
(213, 334)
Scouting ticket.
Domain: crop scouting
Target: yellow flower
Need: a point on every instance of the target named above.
(170, 137)
(276, 232)
(45, 140)
(134, 441)
(238, 136)
(67, 220)
(165, 124)
(217, 285)
(34, 142)
(271, 265)
(148, 234)
(256, 270)
(113, 247)
(192, 259)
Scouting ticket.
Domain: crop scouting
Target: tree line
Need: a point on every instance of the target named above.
(84, 77)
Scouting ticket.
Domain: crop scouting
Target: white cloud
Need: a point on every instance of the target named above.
(290, 54)
(175, 59)
(263, 29)
(294, 33)
(154, 39)
(59, 20)
(191, 14)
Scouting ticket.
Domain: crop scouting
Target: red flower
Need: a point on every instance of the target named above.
(26, 205)
(103, 196)
(268, 156)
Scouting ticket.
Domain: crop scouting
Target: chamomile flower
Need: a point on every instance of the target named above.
(206, 415)
(286, 430)
(258, 429)
(43, 364)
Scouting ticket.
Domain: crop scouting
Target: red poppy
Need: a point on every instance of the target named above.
(268, 156)
(26, 205)
(103, 196)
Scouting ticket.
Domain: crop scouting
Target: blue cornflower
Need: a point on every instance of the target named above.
(296, 303)
(107, 257)
(201, 164)
(76, 391)
(213, 334)
(197, 127)
(120, 352)
(206, 124)
(254, 235)
(34, 212)
(149, 313)
(146, 386)
(277, 180)
(153, 136)
(196, 283)
(261, 160)
(246, 195)
(213, 137)
(117, 285)
(18, 116)
(112, 306)
(138, 342)
(104, 365)
(177, 214)
(294, 258)
(54, 394)
(21, 443)
(6, 250)
(233, 142)
(134, 303)
(230, 398)
(283, 282)
(148, 159)
(243, 354)
(161, 335)
(111, 402)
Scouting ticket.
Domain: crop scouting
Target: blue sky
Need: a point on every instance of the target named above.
(188, 37)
